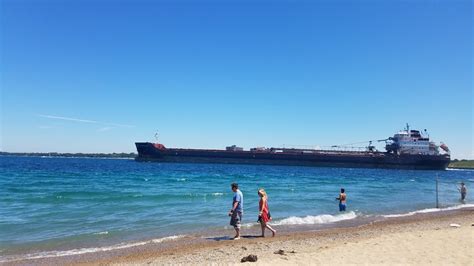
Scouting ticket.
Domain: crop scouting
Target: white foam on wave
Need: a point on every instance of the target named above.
(102, 233)
(318, 219)
(217, 194)
(459, 169)
(159, 240)
(247, 225)
(79, 251)
(457, 207)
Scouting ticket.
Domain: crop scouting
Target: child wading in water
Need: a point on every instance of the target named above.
(342, 200)
(264, 214)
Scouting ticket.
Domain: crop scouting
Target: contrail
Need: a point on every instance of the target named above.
(83, 120)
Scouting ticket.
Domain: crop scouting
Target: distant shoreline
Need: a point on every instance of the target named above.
(454, 164)
(461, 164)
(461, 168)
(71, 155)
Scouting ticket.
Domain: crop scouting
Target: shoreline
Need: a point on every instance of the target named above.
(460, 168)
(205, 249)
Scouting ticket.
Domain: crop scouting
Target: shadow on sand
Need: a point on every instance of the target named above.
(223, 238)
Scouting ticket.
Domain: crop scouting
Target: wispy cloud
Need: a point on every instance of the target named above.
(102, 129)
(79, 120)
(69, 119)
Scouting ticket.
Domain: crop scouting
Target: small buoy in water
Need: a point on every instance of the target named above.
(454, 225)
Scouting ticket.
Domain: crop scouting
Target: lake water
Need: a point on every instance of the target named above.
(61, 204)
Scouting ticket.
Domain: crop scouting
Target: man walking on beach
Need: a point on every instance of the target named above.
(237, 209)
(342, 200)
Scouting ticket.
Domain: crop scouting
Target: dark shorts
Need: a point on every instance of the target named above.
(236, 219)
(342, 207)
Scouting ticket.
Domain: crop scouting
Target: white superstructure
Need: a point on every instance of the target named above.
(413, 142)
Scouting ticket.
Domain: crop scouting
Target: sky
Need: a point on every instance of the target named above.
(97, 76)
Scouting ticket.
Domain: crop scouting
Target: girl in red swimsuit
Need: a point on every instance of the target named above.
(264, 214)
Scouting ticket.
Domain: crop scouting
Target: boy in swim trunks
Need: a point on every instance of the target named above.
(342, 200)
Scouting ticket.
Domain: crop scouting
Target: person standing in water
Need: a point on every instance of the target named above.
(237, 210)
(463, 190)
(342, 200)
(264, 213)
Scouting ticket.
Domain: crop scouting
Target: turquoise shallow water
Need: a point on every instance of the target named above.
(67, 203)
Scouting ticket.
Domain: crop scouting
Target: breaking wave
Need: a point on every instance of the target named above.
(79, 251)
(457, 207)
(318, 219)
(460, 169)
(102, 233)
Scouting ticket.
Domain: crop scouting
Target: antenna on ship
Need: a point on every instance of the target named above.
(156, 136)
(408, 130)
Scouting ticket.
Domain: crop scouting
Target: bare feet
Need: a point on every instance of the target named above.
(273, 233)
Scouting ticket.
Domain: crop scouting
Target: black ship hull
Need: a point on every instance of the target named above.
(149, 152)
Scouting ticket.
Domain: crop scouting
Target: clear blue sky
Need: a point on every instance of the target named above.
(96, 76)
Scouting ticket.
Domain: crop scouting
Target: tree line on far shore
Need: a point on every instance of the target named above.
(469, 164)
(60, 154)
(461, 164)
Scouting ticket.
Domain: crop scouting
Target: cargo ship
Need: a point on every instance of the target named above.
(407, 149)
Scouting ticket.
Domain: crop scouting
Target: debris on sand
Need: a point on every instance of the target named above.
(455, 225)
(280, 252)
(249, 258)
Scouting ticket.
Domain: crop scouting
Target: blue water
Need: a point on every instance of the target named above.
(52, 203)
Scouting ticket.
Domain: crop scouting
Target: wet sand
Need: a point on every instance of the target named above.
(419, 239)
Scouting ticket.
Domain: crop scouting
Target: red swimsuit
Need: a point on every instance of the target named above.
(264, 211)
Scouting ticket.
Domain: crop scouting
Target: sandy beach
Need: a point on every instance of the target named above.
(427, 238)
(420, 239)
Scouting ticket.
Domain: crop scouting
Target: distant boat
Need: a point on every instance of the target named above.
(407, 149)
